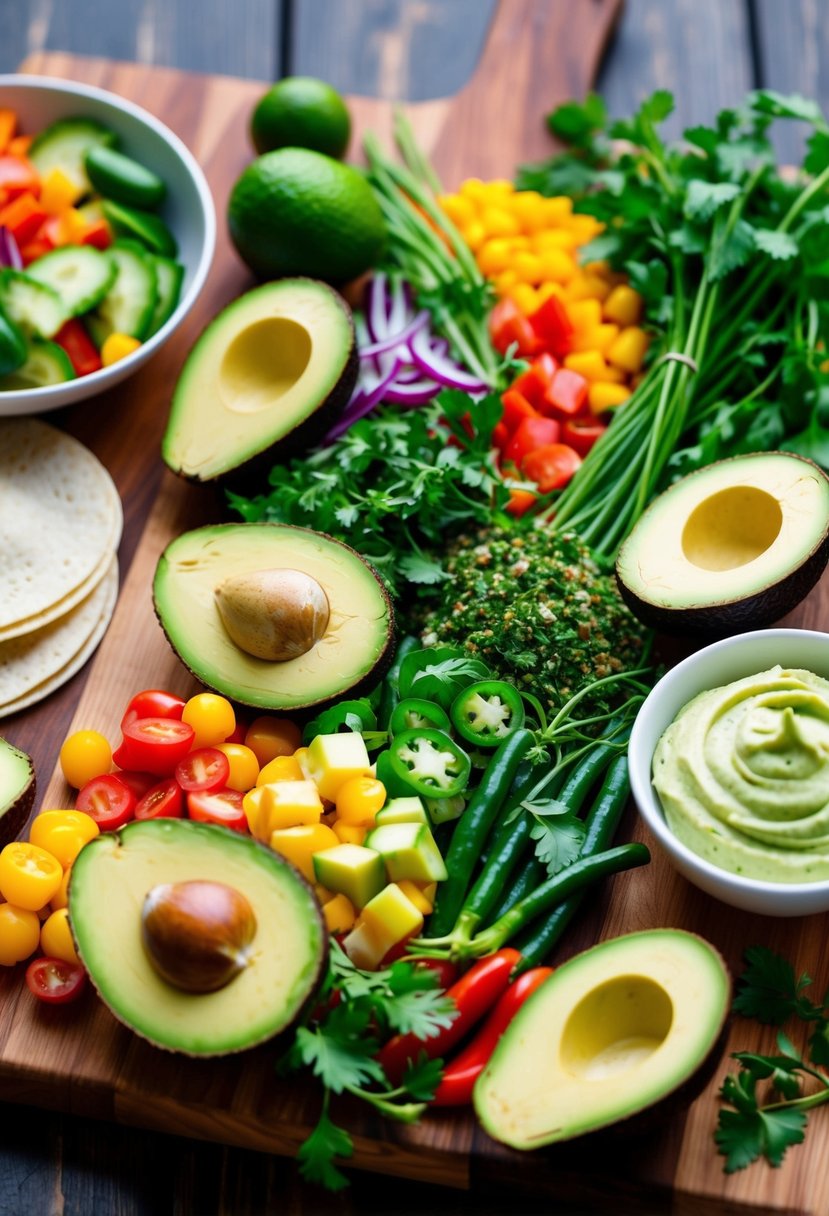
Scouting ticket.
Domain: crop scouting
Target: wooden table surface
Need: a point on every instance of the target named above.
(708, 53)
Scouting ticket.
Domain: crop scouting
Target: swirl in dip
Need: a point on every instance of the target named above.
(743, 776)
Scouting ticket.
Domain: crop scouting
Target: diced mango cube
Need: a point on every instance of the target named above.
(339, 914)
(323, 894)
(415, 893)
(623, 305)
(628, 351)
(364, 950)
(116, 346)
(349, 833)
(351, 870)
(590, 364)
(596, 337)
(298, 845)
(584, 286)
(252, 806)
(288, 804)
(409, 851)
(402, 810)
(391, 917)
(603, 395)
(584, 314)
(334, 759)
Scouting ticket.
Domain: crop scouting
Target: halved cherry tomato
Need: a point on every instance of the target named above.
(54, 981)
(153, 703)
(509, 327)
(531, 434)
(203, 770)
(582, 433)
(163, 801)
(520, 502)
(108, 800)
(154, 745)
(139, 783)
(551, 466)
(220, 806)
(516, 409)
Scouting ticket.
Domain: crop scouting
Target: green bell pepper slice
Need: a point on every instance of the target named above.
(432, 763)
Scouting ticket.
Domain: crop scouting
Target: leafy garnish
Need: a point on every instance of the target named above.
(558, 841)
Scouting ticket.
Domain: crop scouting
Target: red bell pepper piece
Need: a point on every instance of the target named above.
(18, 176)
(98, 234)
(500, 436)
(582, 433)
(553, 327)
(551, 466)
(567, 393)
(460, 1074)
(34, 250)
(535, 381)
(82, 352)
(520, 502)
(532, 433)
(23, 217)
(474, 994)
(8, 126)
(509, 327)
(516, 409)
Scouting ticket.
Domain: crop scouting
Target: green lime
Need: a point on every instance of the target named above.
(297, 212)
(301, 112)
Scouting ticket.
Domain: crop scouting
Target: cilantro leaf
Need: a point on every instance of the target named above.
(743, 1137)
(558, 844)
(418, 568)
(316, 1155)
(778, 245)
(339, 1058)
(779, 105)
(422, 1077)
(575, 124)
(731, 249)
(702, 198)
(768, 990)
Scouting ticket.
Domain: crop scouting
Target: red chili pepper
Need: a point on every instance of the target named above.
(474, 994)
(82, 351)
(460, 1074)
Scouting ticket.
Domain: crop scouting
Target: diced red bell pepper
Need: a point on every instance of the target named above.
(531, 434)
(553, 327)
(551, 466)
(34, 250)
(534, 382)
(82, 352)
(582, 433)
(567, 394)
(18, 176)
(516, 409)
(509, 327)
(520, 502)
(23, 217)
(98, 234)
(500, 436)
(8, 126)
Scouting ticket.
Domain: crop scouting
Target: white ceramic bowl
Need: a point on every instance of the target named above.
(188, 210)
(716, 665)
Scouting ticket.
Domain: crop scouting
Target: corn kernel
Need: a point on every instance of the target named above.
(623, 305)
(629, 349)
(116, 347)
(602, 395)
(339, 914)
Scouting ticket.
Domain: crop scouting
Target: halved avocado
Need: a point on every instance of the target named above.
(111, 879)
(17, 790)
(612, 1032)
(346, 648)
(732, 546)
(267, 377)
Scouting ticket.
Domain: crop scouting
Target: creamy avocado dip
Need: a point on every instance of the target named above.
(743, 776)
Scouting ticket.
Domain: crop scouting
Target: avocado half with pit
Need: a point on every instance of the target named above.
(733, 546)
(17, 791)
(198, 938)
(266, 378)
(611, 1033)
(273, 616)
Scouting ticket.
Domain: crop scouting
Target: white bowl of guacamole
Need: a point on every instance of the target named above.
(729, 764)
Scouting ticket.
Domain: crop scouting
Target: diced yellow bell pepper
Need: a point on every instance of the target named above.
(496, 255)
(349, 833)
(57, 192)
(288, 804)
(545, 290)
(460, 209)
(498, 221)
(590, 364)
(558, 210)
(595, 337)
(553, 238)
(340, 914)
(528, 206)
(623, 305)
(474, 234)
(525, 297)
(281, 768)
(602, 395)
(556, 265)
(584, 314)
(585, 286)
(584, 228)
(298, 845)
(334, 759)
(116, 347)
(528, 266)
(415, 893)
(629, 349)
(505, 280)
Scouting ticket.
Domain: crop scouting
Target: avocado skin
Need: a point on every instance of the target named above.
(16, 813)
(763, 608)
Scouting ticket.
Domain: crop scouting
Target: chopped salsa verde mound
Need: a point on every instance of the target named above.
(540, 610)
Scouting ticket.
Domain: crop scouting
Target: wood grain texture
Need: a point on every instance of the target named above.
(792, 46)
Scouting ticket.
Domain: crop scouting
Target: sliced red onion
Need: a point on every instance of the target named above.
(398, 338)
(9, 249)
(377, 315)
(419, 392)
(439, 367)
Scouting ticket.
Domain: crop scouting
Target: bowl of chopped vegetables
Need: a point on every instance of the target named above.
(107, 231)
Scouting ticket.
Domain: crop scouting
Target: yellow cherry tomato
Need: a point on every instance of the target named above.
(244, 767)
(84, 755)
(359, 800)
(19, 934)
(29, 876)
(211, 717)
(271, 737)
(56, 937)
(63, 833)
(61, 897)
(281, 768)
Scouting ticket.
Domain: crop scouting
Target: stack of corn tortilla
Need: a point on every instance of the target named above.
(60, 524)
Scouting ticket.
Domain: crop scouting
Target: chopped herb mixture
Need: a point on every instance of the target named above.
(540, 610)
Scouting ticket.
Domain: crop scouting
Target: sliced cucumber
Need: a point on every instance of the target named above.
(46, 363)
(129, 305)
(12, 347)
(141, 225)
(34, 307)
(64, 146)
(121, 178)
(97, 328)
(169, 276)
(80, 275)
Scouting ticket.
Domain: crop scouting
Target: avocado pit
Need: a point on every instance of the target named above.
(196, 934)
(273, 614)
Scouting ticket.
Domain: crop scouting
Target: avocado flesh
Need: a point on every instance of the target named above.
(732, 546)
(612, 1032)
(17, 791)
(266, 377)
(354, 648)
(110, 879)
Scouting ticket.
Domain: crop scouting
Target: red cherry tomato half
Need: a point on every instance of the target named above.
(221, 806)
(154, 745)
(203, 770)
(163, 801)
(139, 783)
(108, 800)
(54, 981)
(153, 703)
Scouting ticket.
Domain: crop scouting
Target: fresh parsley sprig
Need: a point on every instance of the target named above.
(339, 1045)
(755, 1127)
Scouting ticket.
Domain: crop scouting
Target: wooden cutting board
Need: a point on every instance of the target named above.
(79, 1059)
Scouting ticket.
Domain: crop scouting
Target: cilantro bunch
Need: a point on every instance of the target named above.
(732, 259)
(767, 1123)
(395, 486)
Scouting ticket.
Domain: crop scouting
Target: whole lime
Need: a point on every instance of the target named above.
(297, 212)
(301, 112)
